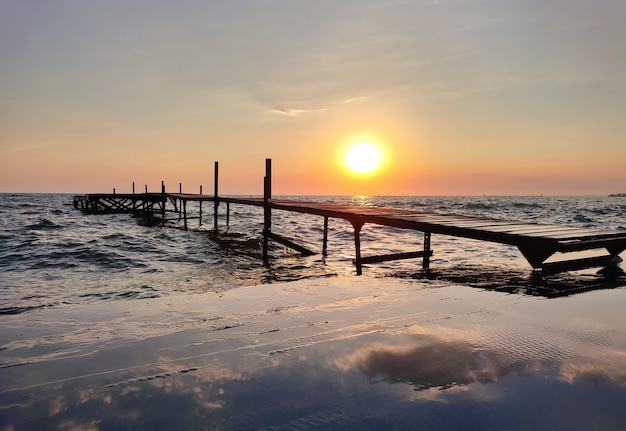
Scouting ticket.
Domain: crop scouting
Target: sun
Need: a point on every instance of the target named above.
(363, 158)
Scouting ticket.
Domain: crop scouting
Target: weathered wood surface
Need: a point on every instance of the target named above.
(537, 242)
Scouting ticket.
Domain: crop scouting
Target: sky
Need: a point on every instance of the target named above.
(464, 97)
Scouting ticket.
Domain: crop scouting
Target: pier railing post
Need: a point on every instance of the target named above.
(134, 200)
(426, 257)
(267, 210)
(325, 240)
(200, 208)
(357, 225)
(163, 202)
(216, 201)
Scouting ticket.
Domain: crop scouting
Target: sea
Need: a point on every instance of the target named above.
(52, 255)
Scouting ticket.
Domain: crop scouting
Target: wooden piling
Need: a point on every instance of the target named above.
(427, 251)
(163, 203)
(267, 210)
(134, 200)
(144, 204)
(177, 206)
(325, 239)
(184, 207)
(357, 225)
(215, 197)
(200, 205)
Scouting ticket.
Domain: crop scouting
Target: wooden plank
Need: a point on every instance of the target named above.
(467, 224)
(457, 221)
(288, 243)
(534, 230)
(392, 256)
(577, 264)
(585, 234)
(581, 245)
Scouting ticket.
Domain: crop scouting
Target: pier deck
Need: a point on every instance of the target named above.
(536, 242)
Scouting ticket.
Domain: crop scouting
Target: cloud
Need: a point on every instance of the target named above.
(355, 99)
(331, 105)
(440, 365)
(23, 147)
(296, 112)
(289, 112)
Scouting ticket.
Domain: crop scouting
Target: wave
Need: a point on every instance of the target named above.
(85, 259)
(581, 218)
(523, 205)
(480, 206)
(141, 292)
(43, 224)
(20, 310)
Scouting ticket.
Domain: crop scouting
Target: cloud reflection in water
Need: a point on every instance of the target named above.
(363, 359)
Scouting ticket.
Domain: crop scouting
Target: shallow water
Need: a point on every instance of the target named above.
(344, 353)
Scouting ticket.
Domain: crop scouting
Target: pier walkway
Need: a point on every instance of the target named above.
(536, 242)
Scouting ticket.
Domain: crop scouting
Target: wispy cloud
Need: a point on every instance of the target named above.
(355, 99)
(23, 147)
(290, 112)
(296, 112)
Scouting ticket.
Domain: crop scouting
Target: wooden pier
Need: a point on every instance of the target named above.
(536, 242)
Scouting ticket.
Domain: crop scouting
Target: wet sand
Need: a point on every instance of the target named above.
(335, 353)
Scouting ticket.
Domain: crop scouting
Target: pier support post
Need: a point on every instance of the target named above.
(163, 203)
(216, 201)
(325, 239)
(134, 200)
(357, 225)
(267, 210)
(227, 213)
(184, 207)
(180, 208)
(200, 209)
(426, 257)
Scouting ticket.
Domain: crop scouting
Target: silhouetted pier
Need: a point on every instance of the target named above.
(536, 242)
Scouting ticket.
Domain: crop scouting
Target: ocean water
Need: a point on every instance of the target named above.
(52, 255)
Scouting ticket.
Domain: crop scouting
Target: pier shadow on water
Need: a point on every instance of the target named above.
(516, 281)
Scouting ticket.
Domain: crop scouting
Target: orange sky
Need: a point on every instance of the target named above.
(504, 98)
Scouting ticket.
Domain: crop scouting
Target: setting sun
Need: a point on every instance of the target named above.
(363, 158)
